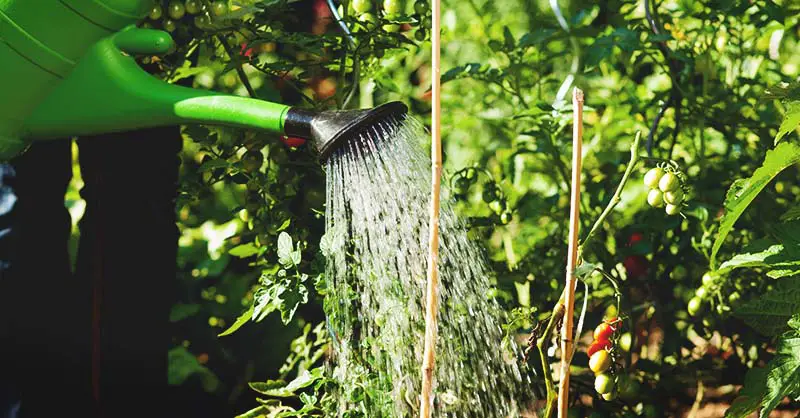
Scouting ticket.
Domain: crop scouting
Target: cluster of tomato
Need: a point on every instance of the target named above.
(365, 12)
(600, 358)
(666, 189)
(169, 14)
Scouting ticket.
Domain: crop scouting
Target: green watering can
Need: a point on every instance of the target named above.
(66, 69)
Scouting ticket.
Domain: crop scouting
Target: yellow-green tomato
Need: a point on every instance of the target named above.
(155, 13)
(671, 209)
(362, 6)
(600, 362)
(709, 278)
(695, 306)
(655, 198)
(674, 197)
(652, 177)
(610, 396)
(392, 7)
(669, 182)
(603, 383)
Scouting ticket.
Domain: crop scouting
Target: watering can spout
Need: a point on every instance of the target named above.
(108, 92)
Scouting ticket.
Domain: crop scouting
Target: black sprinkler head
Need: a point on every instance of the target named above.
(329, 130)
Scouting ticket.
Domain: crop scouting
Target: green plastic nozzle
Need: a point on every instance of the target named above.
(108, 92)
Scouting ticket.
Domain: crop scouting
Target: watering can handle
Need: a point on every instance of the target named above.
(137, 41)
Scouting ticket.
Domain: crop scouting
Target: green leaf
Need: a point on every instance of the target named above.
(256, 412)
(743, 191)
(535, 38)
(181, 311)
(508, 38)
(764, 253)
(241, 320)
(285, 249)
(280, 390)
(783, 377)
(792, 214)
(244, 250)
(790, 120)
(183, 364)
(284, 225)
(751, 395)
(213, 164)
(769, 313)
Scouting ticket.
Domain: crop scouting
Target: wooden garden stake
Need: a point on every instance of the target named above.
(572, 254)
(432, 298)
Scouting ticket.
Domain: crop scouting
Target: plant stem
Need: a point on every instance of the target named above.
(615, 199)
(239, 70)
(552, 394)
(431, 305)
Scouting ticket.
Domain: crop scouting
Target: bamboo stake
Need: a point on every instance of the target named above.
(432, 297)
(572, 254)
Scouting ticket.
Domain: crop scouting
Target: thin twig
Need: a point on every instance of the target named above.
(431, 303)
(617, 197)
(572, 253)
(239, 70)
(555, 318)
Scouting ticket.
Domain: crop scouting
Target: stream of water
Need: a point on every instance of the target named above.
(378, 196)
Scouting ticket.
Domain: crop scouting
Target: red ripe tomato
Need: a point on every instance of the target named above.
(603, 332)
(636, 266)
(598, 345)
(634, 238)
(292, 141)
(247, 52)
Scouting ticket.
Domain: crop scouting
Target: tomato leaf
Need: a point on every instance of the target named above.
(783, 377)
(241, 320)
(285, 249)
(183, 364)
(790, 120)
(769, 313)
(280, 389)
(751, 395)
(244, 250)
(743, 191)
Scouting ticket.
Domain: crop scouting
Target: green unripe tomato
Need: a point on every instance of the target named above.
(701, 292)
(674, 197)
(368, 19)
(427, 22)
(419, 35)
(176, 10)
(695, 306)
(252, 161)
(628, 388)
(505, 218)
(734, 297)
(155, 13)
(625, 341)
(421, 7)
(655, 198)
(169, 25)
(392, 7)
(603, 383)
(202, 21)
(671, 209)
(362, 6)
(219, 8)
(193, 7)
(669, 182)
(709, 278)
(652, 177)
(610, 396)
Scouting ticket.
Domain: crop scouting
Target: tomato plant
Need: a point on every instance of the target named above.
(693, 245)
